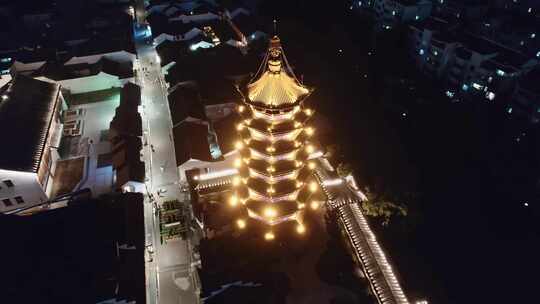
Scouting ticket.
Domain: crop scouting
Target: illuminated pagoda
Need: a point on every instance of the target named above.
(274, 146)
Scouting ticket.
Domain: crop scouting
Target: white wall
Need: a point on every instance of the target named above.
(132, 186)
(120, 56)
(228, 163)
(26, 185)
(25, 68)
(195, 18)
(92, 83)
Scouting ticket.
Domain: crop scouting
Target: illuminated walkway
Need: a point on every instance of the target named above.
(344, 199)
(170, 276)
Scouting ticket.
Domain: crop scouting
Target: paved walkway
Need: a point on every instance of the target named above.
(344, 198)
(169, 277)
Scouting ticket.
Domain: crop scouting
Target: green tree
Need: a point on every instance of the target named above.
(383, 205)
(344, 169)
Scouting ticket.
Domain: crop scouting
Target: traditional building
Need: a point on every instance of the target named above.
(30, 112)
(275, 145)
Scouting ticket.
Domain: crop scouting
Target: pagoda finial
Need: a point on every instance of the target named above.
(275, 27)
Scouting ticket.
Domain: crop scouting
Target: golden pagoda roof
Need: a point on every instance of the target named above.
(276, 89)
(277, 85)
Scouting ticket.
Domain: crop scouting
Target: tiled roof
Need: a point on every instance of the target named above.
(26, 116)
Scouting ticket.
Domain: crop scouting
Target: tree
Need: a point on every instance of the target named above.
(383, 205)
(344, 169)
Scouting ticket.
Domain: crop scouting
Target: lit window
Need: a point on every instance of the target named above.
(538, 54)
(490, 79)
(421, 52)
(416, 17)
(393, 13)
(477, 86)
(435, 53)
(490, 95)
(500, 72)
(465, 87)
(450, 94)
(533, 35)
(529, 10)
(509, 110)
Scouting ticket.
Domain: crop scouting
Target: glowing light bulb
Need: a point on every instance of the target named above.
(308, 112)
(313, 186)
(300, 229)
(310, 149)
(241, 109)
(269, 236)
(233, 201)
(238, 145)
(239, 127)
(246, 160)
(297, 144)
(309, 131)
(240, 223)
(238, 163)
(301, 205)
(236, 181)
(299, 184)
(270, 212)
(314, 205)
(297, 124)
(311, 165)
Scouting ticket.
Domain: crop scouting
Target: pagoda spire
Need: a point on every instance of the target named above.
(275, 84)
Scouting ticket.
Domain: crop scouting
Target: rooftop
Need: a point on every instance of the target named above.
(191, 141)
(27, 113)
(275, 84)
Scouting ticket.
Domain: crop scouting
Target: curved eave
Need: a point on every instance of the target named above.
(285, 106)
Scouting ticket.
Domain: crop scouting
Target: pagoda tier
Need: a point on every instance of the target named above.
(274, 143)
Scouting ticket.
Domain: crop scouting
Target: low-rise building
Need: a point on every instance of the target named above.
(30, 117)
(468, 65)
(389, 13)
(125, 134)
(526, 99)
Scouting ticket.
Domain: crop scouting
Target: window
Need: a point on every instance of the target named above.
(477, 86)
(7, 202)
(19, 199)
(9, 183)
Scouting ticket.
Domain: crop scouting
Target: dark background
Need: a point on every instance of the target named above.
(468, 237)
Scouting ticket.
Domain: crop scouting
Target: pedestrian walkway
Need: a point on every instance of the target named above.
(345, 201)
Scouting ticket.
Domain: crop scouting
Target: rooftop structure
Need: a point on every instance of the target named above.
(27, 108)
(30, 110)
